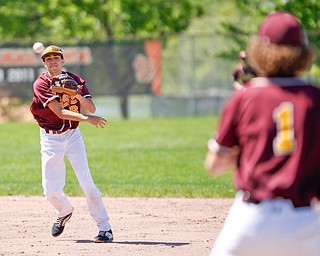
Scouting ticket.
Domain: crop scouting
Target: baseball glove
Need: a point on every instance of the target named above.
(65, 84)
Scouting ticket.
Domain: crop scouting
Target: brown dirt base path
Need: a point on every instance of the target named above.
(141, 226)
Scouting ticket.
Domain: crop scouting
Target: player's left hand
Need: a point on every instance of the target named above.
(97, 121)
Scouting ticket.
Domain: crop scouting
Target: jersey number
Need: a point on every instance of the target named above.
(284, 143)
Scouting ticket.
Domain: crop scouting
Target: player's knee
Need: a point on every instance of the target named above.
(53, 196)
(92, 192)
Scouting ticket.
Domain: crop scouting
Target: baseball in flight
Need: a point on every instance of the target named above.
(38, 47)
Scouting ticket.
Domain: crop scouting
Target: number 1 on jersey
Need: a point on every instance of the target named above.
(284, 143)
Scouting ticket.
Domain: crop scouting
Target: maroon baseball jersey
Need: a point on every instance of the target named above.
(276, 124)
(43, 95)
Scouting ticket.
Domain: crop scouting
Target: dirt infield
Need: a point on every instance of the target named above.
(141, 226)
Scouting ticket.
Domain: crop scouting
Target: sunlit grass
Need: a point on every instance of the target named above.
(151, 157)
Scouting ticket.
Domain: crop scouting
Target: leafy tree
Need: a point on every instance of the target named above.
(253, 11)
(73, 21)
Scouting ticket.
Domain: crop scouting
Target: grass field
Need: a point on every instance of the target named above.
(149, 157)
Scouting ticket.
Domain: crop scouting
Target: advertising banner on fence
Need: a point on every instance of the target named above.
(109, 69)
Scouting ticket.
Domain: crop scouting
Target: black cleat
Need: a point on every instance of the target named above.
(58, 225)
(104, 237)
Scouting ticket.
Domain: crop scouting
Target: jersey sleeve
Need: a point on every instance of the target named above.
(227, 128)
(85, 92)
(43, 92)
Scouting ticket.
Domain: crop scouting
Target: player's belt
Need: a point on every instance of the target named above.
(247, 197)
(54, 131)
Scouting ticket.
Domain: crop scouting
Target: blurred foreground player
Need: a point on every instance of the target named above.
(58, 115)
(270, 134)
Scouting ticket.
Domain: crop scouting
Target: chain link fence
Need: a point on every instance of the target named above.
(195, 80)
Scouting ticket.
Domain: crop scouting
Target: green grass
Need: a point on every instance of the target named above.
(152, 157)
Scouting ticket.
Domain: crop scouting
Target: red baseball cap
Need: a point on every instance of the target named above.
(281, 27)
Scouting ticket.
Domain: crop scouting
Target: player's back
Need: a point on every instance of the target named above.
(278, 125)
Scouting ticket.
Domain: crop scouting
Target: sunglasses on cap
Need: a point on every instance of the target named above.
(52, 49)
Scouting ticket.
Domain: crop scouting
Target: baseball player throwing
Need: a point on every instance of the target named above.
(58, 115)
(243, 72)
(269, 133)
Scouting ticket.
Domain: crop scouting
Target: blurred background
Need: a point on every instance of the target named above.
(140, 58)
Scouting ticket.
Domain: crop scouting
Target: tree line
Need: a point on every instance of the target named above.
(86, 21)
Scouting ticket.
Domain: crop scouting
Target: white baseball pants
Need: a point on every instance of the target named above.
(273, 227)
(54, 148)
